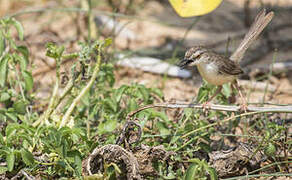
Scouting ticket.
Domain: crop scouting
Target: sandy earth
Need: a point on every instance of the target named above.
(159, 28)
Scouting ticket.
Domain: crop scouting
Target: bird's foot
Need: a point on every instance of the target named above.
(243, 108)
(206, 106)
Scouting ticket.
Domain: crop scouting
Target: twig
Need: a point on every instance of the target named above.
(29, 177)
(260, 175)
(57, 101)
(253, 110)
(65, 92)
(44, 118)
(229, 108)
(19, 175)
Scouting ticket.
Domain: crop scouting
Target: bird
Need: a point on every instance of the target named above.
(215, 68)
(218, 69)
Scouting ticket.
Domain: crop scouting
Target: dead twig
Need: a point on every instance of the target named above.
(230, 108)
(216, 107)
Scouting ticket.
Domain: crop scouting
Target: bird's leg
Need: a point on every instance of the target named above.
(207, 103)
(232, 98)
(244, 103)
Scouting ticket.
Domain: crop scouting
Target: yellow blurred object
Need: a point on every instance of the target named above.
(188, 8)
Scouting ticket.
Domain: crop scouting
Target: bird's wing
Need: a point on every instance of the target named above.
(226, 66)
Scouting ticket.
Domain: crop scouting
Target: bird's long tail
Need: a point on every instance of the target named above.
(260, 22)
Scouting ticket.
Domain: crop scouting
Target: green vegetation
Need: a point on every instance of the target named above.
(90, 113)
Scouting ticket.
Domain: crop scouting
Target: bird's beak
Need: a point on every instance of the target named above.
(184, 63)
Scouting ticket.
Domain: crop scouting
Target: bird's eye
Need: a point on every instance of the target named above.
(196, 56)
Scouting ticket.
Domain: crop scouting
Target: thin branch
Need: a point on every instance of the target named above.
(253, 110)
(44, 118)
(229, 108)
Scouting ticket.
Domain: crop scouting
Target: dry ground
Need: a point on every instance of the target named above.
(160, 28)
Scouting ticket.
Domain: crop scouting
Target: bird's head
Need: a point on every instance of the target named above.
(193, 56)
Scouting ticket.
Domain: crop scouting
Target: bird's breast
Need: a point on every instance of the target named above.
(209, 71)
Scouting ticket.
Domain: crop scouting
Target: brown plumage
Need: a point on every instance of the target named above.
(206, 60)
(226, 66)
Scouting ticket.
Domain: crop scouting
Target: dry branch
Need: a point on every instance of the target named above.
(229, 108)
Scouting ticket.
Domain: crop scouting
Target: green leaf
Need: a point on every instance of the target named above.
(157, 92)
(145, 93)
(26, 138)
(1, 140)
(12, 116)
(19, 28)
(86, 99)
(111, 104)
(78, 164)
(54, 51)
(3, 70)
(119, 92)
(23, 60)
(3, 169)
(24, 51)
(163, 130)
(27, 157)
(226, 90)
(12, 43)
(205, 147)
(2, 44)
(4, 96)
(132, 105)
(212, 173)
(107, 42)
(20, 106)
(270, 150)
(108, 126)
(161, 115)
(28, 80)
(191, 172)
(11, 129)
(202, 95)
(10, 159)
